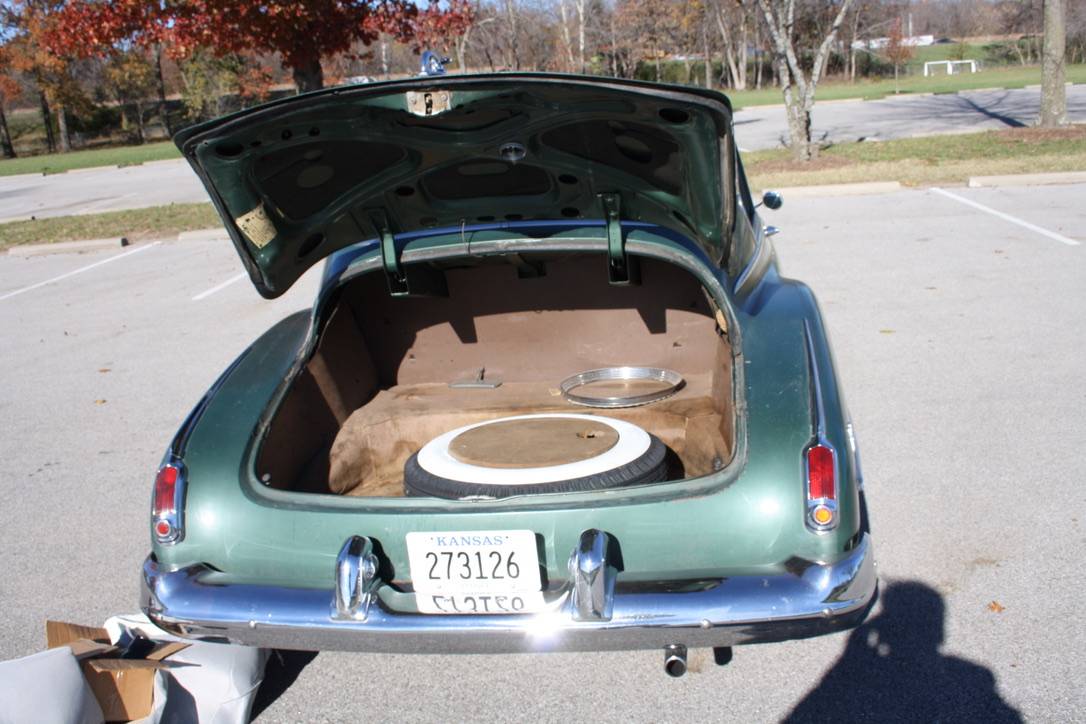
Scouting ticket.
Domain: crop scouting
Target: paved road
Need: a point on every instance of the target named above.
(958, 336)
(94, 190)
(841, 121)
(106, 189)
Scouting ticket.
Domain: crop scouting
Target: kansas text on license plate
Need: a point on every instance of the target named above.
(475, 571)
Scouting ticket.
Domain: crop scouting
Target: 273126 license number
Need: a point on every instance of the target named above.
(474, 562)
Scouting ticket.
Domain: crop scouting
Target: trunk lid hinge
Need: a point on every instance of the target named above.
(621, 269)
(414, 281)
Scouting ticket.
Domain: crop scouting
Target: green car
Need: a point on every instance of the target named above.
(553, 394)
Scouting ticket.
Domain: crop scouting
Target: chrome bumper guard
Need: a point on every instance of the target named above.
(590, 613)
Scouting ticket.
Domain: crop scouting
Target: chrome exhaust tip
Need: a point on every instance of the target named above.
(675, 660)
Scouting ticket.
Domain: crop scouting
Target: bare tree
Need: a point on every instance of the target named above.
(567, 41)
(512, 61)
(707, 55)
(1053, 93)
(853, 39)
(640, 32)
(580, 35)
(897, 50)
(797, 83)
(463, 42)
(734, 53)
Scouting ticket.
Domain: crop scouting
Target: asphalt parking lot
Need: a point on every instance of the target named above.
(959, 336)
(758, 127)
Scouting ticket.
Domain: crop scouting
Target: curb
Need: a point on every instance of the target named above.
(204, 235)
(858, 189)
(78, 171)
(1027, 179)
(86, 245)
(158, 162)
(67, 247)
(39, 174)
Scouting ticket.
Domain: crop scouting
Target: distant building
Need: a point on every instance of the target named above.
(877, 43)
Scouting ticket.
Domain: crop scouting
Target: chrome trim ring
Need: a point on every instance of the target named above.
(622, 374)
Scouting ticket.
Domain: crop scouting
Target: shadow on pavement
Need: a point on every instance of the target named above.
(1005, 119)
(282, 670)
(892, 670)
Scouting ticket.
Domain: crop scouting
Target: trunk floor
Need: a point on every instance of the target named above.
(370, 449)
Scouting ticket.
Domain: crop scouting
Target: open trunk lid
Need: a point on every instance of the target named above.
(298, 179)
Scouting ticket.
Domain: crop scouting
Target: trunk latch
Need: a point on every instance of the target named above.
(428, 103)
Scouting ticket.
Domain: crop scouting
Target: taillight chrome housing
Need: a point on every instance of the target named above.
(167, 502)
(820, 464)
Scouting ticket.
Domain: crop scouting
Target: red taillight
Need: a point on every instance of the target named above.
(165, 489)
(820, 476)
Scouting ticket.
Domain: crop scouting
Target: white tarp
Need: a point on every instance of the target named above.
(218, 686)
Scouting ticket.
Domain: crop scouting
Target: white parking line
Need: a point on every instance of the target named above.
(1007, 217)
(219, 287)
(80, 270)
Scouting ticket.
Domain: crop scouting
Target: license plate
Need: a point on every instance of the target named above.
(464, 603)
(457, 562)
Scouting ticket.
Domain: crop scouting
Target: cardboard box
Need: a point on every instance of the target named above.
(123, 687)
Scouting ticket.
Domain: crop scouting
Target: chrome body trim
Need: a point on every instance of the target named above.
(181, 437)
(175, 457)
(593, 578)
(356, 579)
(854, 448)
(818, 410)
(759, 261)
(818, 429)
(805, 599)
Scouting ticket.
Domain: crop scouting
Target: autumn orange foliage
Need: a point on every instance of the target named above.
(301, 32)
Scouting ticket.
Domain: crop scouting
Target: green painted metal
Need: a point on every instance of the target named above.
(297, 179)
(746, 519)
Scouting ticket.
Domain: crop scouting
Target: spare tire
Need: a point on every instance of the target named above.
(533, 454)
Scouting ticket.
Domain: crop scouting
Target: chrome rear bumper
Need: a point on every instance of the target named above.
(590, 614)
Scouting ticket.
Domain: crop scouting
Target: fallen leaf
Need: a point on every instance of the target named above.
(99, 402)
(996, 607)
(104, 370)
(886, 331)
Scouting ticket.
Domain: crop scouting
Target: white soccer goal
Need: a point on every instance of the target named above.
(952, 66)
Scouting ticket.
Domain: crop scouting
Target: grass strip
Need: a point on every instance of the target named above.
(91, 158)
(1011, 77)
(926, 160)
(156, 222)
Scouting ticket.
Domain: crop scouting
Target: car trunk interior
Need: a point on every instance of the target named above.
(377, 387)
